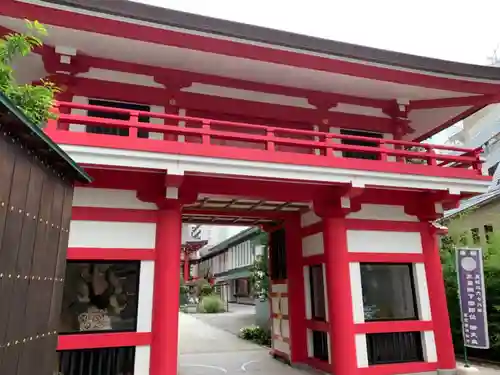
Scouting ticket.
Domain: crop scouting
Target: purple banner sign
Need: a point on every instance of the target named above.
(470, 273)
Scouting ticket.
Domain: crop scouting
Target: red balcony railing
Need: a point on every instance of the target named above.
(206, 137)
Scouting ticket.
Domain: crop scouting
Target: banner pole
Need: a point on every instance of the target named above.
(466, 357)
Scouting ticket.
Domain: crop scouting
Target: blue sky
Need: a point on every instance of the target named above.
(456, 30)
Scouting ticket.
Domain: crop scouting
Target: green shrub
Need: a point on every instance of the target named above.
(206, 290)
(211, 304)
(256, 334)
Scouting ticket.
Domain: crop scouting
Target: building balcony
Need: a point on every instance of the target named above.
(183, 136)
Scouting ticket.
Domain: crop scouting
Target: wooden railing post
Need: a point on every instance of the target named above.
(431, 159)
(477, 164)
(53, 123)
(134, 119)
(329, 150)
(382, 150)
(270, 145)
(205, 138)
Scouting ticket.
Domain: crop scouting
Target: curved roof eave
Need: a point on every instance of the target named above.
(189, 21)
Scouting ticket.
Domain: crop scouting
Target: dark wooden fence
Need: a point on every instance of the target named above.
(35, 211)
(36, 192)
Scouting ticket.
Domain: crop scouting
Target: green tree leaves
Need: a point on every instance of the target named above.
(34, 100)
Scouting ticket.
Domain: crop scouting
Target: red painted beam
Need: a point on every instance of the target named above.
(91, 253)
(114, 214)
(394, 326)
(473, 100)
(103, 340)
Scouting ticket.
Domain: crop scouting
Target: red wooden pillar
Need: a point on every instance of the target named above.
(166, 291)
(296, 294)
(186, 266)
(437, 297)
(338, 285)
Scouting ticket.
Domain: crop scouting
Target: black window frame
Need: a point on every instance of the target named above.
(90, 332)
(74, 362)
(361, 154)
(413, 289)
(123, 132)
(314, 314)
(320, 345)
(377, 342)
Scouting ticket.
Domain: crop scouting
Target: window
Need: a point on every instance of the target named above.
(398, 347)
(320, 345)
(317, 288)
(475, 236)
(360, 154)
(488, 230)
(100, 296)
(102, 361)
(388, 292)
(278, 257)
(242, 287)
(116, 116)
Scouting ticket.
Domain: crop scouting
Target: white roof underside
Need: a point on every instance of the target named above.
(122, 49)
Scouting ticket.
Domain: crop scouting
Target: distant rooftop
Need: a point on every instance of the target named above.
(476, 201)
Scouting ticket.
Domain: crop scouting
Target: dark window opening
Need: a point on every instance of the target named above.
(476, 239)
(398, 347)
(388, 292)
(116, 116)
(320, 345)
(102, 361)
(317, 288)
(100, 296)
(361, 154)
(278, 257)
(242, 287)
(488, 230)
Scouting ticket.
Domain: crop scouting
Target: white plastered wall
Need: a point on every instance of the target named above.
(142, 360)
(120, 235)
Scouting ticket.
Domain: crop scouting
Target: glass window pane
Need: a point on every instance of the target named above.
(397, 347)
(388, 292)
(318, 310)
(100, 296)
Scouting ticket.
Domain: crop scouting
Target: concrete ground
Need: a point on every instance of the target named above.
(207, 350)
(237, 317)
(208, 346)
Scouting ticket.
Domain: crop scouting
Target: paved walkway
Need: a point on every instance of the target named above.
(239, 316)
(208, 346)
(207, 350)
